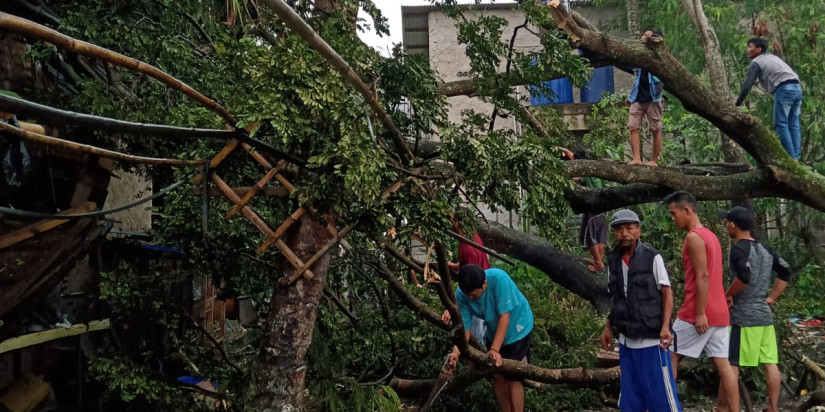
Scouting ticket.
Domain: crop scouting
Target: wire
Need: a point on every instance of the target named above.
(37, 215)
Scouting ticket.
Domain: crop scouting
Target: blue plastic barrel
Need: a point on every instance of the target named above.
(562, 92)
(600, 83)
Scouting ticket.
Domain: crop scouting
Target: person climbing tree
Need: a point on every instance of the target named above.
(702, 322)
(645, 101)
(640, 309)
(491, 295)
(775, 76)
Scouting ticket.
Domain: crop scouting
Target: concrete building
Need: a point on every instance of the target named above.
(428, 31)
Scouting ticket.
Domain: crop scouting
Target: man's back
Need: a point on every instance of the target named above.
(773, 71)
(753, 261)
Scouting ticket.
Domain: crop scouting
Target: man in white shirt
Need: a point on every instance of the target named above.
(640, 310)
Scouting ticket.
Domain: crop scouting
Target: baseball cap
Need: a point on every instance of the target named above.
(624, 216)
(739, 216)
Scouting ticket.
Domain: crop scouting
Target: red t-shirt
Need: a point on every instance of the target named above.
(717, 307)
(468, 255)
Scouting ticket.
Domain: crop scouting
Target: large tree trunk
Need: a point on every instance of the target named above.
(279, 375)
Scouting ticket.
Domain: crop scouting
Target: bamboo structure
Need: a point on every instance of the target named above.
(79, 147)
(25, 27)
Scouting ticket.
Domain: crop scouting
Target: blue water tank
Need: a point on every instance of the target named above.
(562, 92)
(600, 83)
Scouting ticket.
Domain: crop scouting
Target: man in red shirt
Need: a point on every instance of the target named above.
(702, 322)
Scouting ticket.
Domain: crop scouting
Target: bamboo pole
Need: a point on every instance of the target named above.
(29, 28)
(109, 154)
(319, 254)
(296, 23)
(265, 163)
(255, 189)
(56, 117)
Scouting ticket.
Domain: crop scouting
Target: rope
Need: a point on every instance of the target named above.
(39, 216)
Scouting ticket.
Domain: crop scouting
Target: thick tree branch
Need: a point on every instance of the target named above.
(296, 23)
(566, 269)
(29, 28)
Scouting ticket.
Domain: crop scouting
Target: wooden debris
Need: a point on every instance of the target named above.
(37, 338)
(25, 394)
(34, 229)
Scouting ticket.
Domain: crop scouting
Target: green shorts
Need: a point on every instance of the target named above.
(752, 345)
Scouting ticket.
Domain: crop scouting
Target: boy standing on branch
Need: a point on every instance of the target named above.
(752, 336)
(641, 304)
(702, 322)
(645, 100)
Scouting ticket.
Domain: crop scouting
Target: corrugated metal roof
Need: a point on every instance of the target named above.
(465, 6)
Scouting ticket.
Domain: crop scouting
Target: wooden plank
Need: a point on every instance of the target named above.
(30, 231)
(318, 255)
(231, 145)
(246, 210)
(51, 334)
(25, 394)
(281, 229)
(255, 189)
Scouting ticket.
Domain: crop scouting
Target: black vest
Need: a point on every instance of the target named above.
(639, 315)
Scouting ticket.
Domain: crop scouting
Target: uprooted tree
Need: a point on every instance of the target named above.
(324, 113)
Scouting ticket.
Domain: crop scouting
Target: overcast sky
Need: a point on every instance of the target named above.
(391, 9)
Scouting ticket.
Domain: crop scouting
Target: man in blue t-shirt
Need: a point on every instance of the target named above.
(493, 297)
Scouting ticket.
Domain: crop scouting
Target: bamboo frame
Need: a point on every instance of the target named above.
(255, 189)
(319, 254)
(109, 154)
(29, 28)
(260, 224)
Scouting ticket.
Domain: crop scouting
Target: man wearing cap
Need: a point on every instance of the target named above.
(752, 337)
(640, 309)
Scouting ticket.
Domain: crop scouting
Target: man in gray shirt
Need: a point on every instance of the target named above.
(775, 76)
(752, 335)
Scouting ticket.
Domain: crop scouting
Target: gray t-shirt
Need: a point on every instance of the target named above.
(752, 262)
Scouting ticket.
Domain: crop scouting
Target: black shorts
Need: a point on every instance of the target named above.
(517, 351)
(593, 230)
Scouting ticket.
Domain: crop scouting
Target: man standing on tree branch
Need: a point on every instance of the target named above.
(645, 100)
(775, 76)
(702, 322)
(640, 309)
(752, 335)
(491, 295)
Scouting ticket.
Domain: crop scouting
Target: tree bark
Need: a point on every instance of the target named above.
(280, 372)
(633, 14)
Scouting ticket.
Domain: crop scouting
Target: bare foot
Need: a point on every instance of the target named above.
(635, 162)
(652, 163)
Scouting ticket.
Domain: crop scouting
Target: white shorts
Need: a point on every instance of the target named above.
(690, 343)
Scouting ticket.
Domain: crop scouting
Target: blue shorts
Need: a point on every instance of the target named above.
(647, 380)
